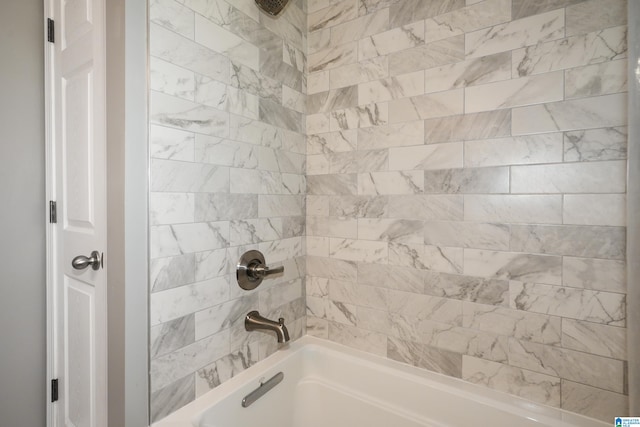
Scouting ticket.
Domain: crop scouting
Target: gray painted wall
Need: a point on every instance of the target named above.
(22, 191)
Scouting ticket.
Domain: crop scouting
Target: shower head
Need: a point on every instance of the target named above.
(272, 7)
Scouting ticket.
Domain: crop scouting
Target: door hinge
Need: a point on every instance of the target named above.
(53, 212)
(54, 390)
(51, 32)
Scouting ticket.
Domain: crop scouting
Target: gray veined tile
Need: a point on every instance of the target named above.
(538, 209)
(595, 15)
(408, 11)
(394, 40)
(170, 79)
(447, 207)
(358, 250)
(491, 124)
(244, 232)
(332, 100)
(591, 306)
(361, 27)
(603, 340)
(172, 397)
(171, 272)
(332, 184)
(470, 72)
(515, 34)
(223, 41)
(390, 230)
(211, 264)
(360, 339)
(225, 152)
(332, 15)
(226, 367)
(580, 241)
(333, 57)
(370, 6)
(273, 67)
(402, 86)
(171, 208)
(173, 16)
(402, 134)
(391, 277)
(358, 206)
(280, 205)
(465, 288)
(362, 116)
(172, 144)
(594, 209)
(540, 388)
(595, 274)
(249, 80)
(215, 319)
(186, 115)
(473, 235)
(597, 79)
(383, 183)
(524, 8)
(427, 106)
(426, 257)
(181, 51)
(467, 19)
(340, 141)
(542, 148)
(593, 402)
(172, 335)
(568, 364)
(591, 48)
(360, 72)
(513, 266)
(584, 113)
(596, 144)
(426, 157)
(467, 181)
(423, 356)
(171, 240)
(172, 176)
(275, 114)
(438, 53)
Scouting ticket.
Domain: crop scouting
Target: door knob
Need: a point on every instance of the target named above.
(81, 262)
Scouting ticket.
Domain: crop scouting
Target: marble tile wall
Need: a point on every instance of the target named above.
(466, 183)
(228, 154)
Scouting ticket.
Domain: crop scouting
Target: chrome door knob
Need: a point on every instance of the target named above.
(81, 262)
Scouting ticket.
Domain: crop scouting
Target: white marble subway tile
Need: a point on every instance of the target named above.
(246, 181)
(465, 341)
(513, 266)
(594, 15)
(293, 99)
(250, 80)
(333, 57)
(171, 208)
(370, 6)
(317, 327)
(593, 402)
(332, 15)
(317, 205)
(186, 115)
(358, 250)
(361, 27)
(318, 40)
(436, 54)
(446, 207)
(534, 327)
(324, 102)
(588, 337)
(170, 79)
(248, 231)
(317, 246)
(293, 56)
(467, 235)
(212, 264)
(170, 240)
(398, 135)
(332, 227)
(186, 53)
(548, 87)
(594, 209)
(358, 206)
(598, 79)
(542, 148)
(440, 104)
(171, 272)
(224, 206)
(243, 103)
(426, 157)
(357, 338)
(404, 12)
(592, 48)
(318, 82)
(467, 73)
(515, 34)
(426, 257)
(568, 364)
(362, 116)
(394, 40)
(467, 19)
(172, 335)
(276, 205)
(391, 277)
(390, 230)
(360, 72)
(595, 274)
(226, 367)
(255, 132)
(537, 209)
(317, 123)
(333, 184)
(173, 16)
(177, 302)
(283, 249)
(402, 86)
(490, 124)
(417, 307)
(585, 113)
(572, 240)
(595, 144)
(172, 176)
(317, 164)
(172, 397)
(533, 386)
(171, 144)
(425, 357)
(467, 181)
(274, 113)
(166, 369)
(592, 306)
(358, 161)
(219, 317)
(332, 142)
(211, 92)
(317, 286)
(225, 42)
(382, 183)
(584, 177)
(524, 8)
(225, 152)
(466, 288)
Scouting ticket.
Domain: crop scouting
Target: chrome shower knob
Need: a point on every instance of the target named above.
(251, 270)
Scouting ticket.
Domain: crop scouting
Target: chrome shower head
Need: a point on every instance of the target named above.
(272, 7)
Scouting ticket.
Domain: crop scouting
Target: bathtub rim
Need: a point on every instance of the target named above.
(188, 415)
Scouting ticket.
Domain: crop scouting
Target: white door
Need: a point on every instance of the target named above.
(77, 165)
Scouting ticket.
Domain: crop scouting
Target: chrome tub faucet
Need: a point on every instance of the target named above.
(254, 321)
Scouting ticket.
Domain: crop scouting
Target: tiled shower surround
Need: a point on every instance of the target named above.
(461, 204)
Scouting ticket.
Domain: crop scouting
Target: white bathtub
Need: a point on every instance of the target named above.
(326, 384)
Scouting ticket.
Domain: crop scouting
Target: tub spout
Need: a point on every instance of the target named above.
(254, 321)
